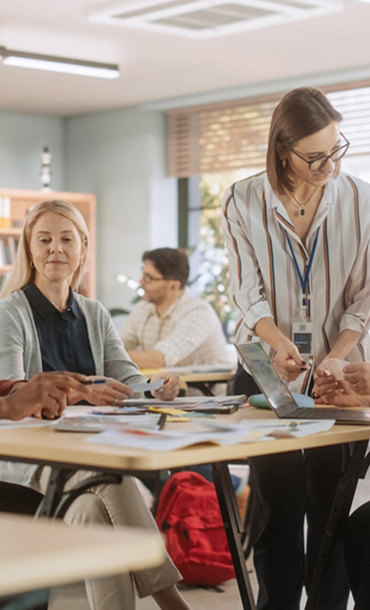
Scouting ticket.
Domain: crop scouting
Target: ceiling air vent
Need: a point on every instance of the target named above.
(210, 18)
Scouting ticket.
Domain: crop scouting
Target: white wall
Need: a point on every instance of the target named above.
(120, 156)
(22, 139)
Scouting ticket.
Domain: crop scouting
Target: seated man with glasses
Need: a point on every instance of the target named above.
(170, 326)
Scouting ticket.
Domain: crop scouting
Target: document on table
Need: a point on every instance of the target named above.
(97, 422)
(147, 387)
(27, 422)
(217, 433)
(186, 401)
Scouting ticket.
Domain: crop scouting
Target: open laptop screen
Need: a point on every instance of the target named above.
(265, 375)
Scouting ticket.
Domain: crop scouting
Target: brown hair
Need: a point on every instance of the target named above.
(172, 263)
(299, 114)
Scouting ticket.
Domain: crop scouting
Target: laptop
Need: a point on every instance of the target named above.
(279, 397)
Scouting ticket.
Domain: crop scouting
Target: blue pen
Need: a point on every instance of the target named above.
(93, 381)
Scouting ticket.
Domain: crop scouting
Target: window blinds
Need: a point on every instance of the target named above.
(222, 137)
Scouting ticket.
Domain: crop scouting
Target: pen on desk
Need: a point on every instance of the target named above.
(93, 381)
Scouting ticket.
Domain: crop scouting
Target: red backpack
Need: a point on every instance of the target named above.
(189, 515)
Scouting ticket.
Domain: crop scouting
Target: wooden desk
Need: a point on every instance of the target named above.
(44, 446)
(66, 452)
(42, 554)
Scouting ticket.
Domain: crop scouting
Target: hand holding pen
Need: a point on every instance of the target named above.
(102, 391)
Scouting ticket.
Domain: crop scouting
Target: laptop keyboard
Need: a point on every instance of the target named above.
(331, 413)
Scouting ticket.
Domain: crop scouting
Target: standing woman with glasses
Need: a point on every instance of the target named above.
(298, 240)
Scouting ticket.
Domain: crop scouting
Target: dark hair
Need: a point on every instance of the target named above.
(299, 114)
(172, 263)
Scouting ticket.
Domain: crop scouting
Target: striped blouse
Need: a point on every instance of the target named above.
(264, 280)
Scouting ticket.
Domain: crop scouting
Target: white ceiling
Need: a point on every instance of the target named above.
(155, 65)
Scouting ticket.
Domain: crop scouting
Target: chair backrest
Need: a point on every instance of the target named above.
(118, 316)
(18, 499)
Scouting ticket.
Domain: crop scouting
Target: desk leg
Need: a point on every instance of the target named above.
(336, 522)
(234, 528)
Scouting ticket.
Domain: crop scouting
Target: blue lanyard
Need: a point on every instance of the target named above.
(303, 280)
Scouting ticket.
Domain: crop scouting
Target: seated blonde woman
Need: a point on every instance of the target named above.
(46, 326)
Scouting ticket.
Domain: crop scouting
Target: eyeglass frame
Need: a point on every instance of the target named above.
(149, 278)
(325, 158)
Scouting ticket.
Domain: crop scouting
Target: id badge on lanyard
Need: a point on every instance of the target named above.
(302, 338)
(302, 328)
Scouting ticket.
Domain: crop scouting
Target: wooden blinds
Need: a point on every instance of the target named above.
(222, 137)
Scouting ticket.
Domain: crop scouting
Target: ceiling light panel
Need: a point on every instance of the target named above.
(211, 18)
(51, 63)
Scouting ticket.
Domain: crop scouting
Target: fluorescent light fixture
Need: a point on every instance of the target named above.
(51, 63)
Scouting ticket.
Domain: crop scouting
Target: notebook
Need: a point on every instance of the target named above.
(279, 397)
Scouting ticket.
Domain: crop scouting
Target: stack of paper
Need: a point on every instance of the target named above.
(211, 432)
(90, 422)
(187, 401)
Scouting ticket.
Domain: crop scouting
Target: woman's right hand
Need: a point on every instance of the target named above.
(111, 392)
(288, 361)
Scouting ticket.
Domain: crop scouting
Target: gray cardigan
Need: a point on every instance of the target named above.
(20, 357)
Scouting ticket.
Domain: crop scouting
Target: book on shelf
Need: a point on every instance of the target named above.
(2, 253)
(8, 250)
(8, 259)
(12, 245)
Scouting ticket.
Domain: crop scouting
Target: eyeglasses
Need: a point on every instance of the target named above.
(317, 164)
(150, 278)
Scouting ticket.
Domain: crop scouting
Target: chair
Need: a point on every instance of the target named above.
(18, 499)
(25, 501)
(36, 600)
(118, 315)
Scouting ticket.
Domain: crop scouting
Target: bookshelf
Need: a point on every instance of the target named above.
(20, 202)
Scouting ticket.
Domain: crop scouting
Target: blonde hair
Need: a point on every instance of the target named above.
(23, 274)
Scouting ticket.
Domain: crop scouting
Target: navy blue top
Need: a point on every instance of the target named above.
(63, 337)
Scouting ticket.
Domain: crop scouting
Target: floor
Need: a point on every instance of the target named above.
(73, 597)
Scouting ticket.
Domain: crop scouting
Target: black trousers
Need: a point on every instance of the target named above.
(288, 486)
(357, 554)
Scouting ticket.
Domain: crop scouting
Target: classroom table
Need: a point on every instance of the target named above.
(203, 381)
(44, 553)
(65, 453)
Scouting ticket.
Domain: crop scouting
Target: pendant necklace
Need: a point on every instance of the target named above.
(301, 205)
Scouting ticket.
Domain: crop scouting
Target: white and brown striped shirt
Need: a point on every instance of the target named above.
(264, 281)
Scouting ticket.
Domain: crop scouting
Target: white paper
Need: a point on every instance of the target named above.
(277, 427)
(217, 433)
(147, 387)
(335, 367)
(88, 422)
(186, 400)
(303, 428)
(169, 441)
(27, 422)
